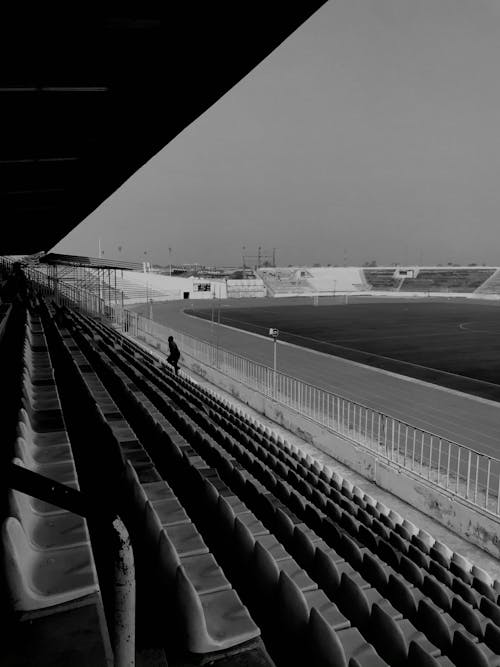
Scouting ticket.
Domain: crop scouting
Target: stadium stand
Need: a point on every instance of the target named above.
(297, 281)
(382, 279)
(491, 285)
(285, 282)
(245, 548)
(461, 280)
(337, 279)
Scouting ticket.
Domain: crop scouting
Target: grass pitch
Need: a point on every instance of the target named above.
(451, 343)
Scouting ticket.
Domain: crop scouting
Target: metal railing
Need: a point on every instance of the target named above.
(458, 469)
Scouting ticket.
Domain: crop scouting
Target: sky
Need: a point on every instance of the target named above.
(371, 133)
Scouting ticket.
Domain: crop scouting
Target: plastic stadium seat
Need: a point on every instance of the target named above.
(39, 579)
(490, 610)
(410, 571)
(436, 625)
(169, 511)
(375, 572)
(304, 548)
(485, 589)
(333, 511)
(284, 526)
(389, 554)
(379, 528)
(294, 607)
(465, 591)
(461, 562)
(396, 518)
(329, 648)
(351, 552)
(437, 592)
(53, 532)
(426, 538)
(481, 574)
(367, 537)
(213, 621)
(357, 602)
(403, 596)
(403, 532)
(458, 571)
(492, 637)
(466, 615)
(444, 550)
(398, 542)
(418, 557)
(438, 556)
(202, 570)
(466, 653)
(59, 472)
(26, 430)
(420, 544)
(40, 456)
(392, 638)
(441, 573)
(186, 540)
(418, 657)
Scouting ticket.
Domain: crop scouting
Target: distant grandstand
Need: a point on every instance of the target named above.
(301, 281)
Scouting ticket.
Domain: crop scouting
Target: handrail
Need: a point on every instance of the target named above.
(460, 470)
(38, 486)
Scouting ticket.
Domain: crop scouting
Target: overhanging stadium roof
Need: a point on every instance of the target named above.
(89, 262)
(86, 99)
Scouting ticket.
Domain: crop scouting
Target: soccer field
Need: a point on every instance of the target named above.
(426, 340)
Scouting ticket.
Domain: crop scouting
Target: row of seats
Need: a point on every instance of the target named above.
(363, 524)
(459, 280)
(234, 508)
(5, 310)
(209, 613)
(193, 429)
(49, 559)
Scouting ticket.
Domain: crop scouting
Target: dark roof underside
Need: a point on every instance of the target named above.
(87, 99)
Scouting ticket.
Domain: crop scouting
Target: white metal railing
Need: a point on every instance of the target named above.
(460, 470)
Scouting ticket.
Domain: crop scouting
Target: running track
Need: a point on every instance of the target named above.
(465, 419)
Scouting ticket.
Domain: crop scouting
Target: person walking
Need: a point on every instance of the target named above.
(173, 357)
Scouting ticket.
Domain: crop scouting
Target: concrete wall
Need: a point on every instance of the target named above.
(469, 522)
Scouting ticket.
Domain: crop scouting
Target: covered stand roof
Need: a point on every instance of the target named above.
(89, 262)
(86, 99)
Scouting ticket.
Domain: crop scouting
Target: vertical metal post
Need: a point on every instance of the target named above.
(275, 354)
(487, 483)
(468, 474)
(448, 466)
(124, 599)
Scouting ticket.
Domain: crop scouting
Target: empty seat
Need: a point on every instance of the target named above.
(392, 638)
(39, 579)
(212, 621)
(330, 648)
(48, 532)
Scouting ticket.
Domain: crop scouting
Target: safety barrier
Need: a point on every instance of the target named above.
(460, 470)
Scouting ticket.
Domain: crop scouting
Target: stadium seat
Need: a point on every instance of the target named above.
(38, 579)
(47, 532)
(329, 648)
(212, 621)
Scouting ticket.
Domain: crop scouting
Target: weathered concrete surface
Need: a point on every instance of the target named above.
(477, 527)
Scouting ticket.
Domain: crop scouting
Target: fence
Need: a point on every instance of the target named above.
(458, 469)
